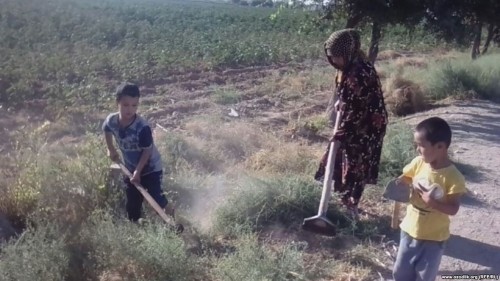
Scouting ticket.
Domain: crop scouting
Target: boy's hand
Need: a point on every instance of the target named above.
(113, 155)
(136, 178)
(402, 180)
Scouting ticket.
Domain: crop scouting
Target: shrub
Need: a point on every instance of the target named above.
(135, 252)
(41, 254)
(64, 185)
(403, 96)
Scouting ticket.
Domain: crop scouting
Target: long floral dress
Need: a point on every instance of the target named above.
(361, 131)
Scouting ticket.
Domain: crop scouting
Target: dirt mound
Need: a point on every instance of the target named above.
(403, 96)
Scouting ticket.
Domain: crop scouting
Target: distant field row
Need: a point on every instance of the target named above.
(60, 46)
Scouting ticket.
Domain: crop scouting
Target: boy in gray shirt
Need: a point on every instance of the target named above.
(134, 137)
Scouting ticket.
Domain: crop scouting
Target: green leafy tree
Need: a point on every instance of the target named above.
(378, 14)
(463, 21)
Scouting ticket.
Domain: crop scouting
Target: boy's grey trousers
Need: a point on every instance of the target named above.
(417, 260)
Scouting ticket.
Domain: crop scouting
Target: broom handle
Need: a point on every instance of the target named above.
(395, 215)
(146, 195)
(327, 182)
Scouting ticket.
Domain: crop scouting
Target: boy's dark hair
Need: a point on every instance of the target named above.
(127, 89)
(435, 130)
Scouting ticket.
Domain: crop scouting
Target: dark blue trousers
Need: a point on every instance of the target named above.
(153, 184)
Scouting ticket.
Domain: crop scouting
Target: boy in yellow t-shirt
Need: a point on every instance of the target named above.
(426, 226)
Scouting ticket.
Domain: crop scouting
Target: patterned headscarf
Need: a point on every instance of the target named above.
(344, 43)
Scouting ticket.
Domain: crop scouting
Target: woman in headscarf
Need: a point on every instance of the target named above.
(363, 118)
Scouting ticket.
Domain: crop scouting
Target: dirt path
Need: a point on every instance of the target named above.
(474, 247)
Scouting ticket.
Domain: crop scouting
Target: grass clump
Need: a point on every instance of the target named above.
(254, 261)
(463, 78)
(403, 96)
(257, 203)
(316, 124)
(225, 96)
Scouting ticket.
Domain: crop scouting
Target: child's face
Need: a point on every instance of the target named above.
(429, 152)
(127, 106)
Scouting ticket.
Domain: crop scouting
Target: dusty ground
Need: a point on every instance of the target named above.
(474, 247)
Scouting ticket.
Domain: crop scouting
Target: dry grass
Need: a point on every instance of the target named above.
(184, 106)
(284, 158)
(348, 272)
(232, 141)
(242, 143)
(388, 55)
(417, 62)
(403, 96)
(127, 271)
(310, 127)
(362, 259)
(351, 259)
(295, 84)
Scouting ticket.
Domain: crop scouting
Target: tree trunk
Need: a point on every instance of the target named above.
(496, 35)
(353, 20)
(491, 32)
(375, 40)
(476, 44)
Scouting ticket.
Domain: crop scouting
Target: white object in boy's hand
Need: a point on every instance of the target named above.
(435, 190)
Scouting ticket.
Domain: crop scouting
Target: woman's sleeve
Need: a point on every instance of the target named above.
(352, 106)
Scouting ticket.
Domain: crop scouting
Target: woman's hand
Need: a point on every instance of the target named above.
(337, 105)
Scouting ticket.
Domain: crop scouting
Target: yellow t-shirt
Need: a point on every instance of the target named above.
(421, 221)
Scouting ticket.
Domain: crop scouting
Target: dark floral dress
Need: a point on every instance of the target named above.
(361, 131)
